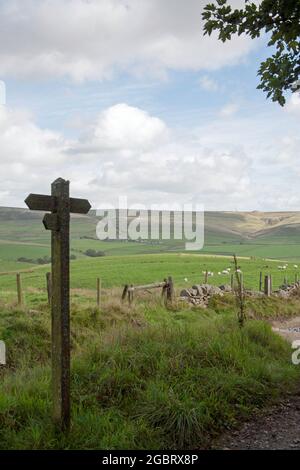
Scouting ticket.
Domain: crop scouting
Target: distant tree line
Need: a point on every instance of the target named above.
(94, 253)
(43, 260)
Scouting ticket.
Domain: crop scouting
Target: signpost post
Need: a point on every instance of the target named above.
(58, 221)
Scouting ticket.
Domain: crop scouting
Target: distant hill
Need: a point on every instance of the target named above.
(259, 234)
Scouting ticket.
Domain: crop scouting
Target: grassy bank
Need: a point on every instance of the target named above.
(141, 378)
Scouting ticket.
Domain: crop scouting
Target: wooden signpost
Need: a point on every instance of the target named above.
(60, 205)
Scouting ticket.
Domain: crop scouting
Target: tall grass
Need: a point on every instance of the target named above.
(141, 378)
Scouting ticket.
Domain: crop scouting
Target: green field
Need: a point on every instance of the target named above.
(268, 240)
(261, 235)
(116, 271)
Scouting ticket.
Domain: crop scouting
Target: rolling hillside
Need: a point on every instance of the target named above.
(24, 242)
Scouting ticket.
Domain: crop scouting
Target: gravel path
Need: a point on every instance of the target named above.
(278, 427)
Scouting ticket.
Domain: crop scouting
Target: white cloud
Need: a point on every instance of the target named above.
(29, 155)
(124, 151)
(91, 39)
(2, 93)
(223, 164)
(209, 84)
(293, 105)
(126, 128)
(229, 110)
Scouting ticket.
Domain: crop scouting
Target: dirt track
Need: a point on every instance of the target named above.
(278, 427)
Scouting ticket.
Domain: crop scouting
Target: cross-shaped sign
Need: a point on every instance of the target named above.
(60, 205)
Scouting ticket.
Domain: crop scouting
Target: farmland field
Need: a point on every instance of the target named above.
(262, 242)
(116, 271)
(263, 235)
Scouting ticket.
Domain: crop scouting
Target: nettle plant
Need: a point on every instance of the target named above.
(280, 20)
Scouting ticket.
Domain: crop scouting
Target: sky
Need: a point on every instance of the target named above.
(127, 98)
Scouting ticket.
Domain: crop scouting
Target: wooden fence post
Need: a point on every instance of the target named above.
(48, 284)
(260, 281)
(206, 277)
(98, 292)
(125, 292)
(130, 294)
(267, 286)
(170, 290)
(19, 289)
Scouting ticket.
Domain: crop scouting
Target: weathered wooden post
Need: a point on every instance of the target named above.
(130, 294)
(60, 205)
(19, 289)
(206, 277)
(170, 290)
(98, 292)
(260, 282)
(125, 292)
(267, 286)
(48, 284)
